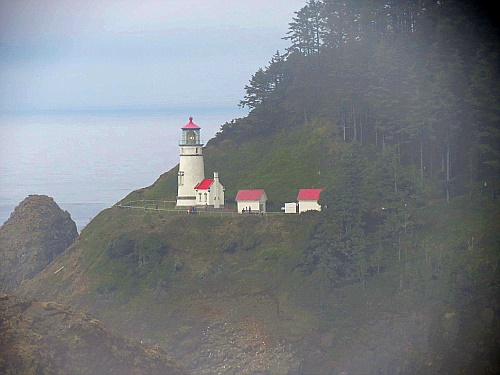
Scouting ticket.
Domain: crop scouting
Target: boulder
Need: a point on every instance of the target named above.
(36, 232)
(53, 338)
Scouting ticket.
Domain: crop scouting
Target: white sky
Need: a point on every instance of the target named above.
(70, 54)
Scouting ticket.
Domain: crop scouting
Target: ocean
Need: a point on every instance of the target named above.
(88, 162)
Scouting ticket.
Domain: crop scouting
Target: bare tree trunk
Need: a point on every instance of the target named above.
(432, 161)
(493, 186)
(343, 123)
(421, 159)
(396, 164)
(360, 130)
(448, 173)
(354, 122)
(395, 180)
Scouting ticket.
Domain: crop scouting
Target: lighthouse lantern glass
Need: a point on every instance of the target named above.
(191, 137)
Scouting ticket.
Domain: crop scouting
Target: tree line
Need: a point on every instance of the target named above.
(420, 75)
(412, 89)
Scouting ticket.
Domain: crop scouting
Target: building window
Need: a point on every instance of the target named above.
(181, 178)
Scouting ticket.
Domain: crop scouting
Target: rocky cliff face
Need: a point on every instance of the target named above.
(36, 232)
(51, 338)
(228, 298)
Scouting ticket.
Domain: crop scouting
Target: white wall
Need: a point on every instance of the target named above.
(291, 208)
(308, 206)
(217, 194)
(191, 172)
(254, 206)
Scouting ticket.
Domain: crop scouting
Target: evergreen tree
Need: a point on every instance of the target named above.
(485, 156)
(407, 74)
(306, 29)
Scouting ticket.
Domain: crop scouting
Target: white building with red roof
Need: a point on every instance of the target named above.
(252, 200)
(192, 187)
(210, 192)
(308, 199)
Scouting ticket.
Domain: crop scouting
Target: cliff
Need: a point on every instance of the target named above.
(36, 232)
(228, 294)
(397, 275)
(46, 337)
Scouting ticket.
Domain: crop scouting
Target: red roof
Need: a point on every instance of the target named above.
(309, 194)
(191, 125)
(250, 195)
(205, 184)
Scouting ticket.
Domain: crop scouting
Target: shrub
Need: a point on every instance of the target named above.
(121, 247)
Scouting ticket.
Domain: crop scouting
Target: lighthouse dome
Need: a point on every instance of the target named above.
(191, 125)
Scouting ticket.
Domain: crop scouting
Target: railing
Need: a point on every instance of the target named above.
(148, 204)
(169, 207)
(196, 142)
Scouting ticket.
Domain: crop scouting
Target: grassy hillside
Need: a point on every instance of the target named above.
(390, 271)
(166, 278)
(297, 157)
(398, 274)
(227, 293)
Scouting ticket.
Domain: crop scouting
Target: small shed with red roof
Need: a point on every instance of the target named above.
(308, 199)
(251, 200)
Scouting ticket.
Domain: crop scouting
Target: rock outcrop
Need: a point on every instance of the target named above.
(36, 232)
(52, 338)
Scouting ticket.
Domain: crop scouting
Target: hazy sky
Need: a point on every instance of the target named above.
(57, 54)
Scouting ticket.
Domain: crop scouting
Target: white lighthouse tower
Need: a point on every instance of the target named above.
(191, 166)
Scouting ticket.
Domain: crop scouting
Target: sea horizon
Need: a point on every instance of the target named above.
(89, 159)
(124, 110)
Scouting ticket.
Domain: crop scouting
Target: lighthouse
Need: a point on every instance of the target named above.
(191, 165)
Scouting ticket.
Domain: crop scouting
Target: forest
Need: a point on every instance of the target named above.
(419, 76)
(392, 108)
(409, 92)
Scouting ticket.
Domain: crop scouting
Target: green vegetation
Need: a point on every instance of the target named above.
(165, 278)
(390, 107)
